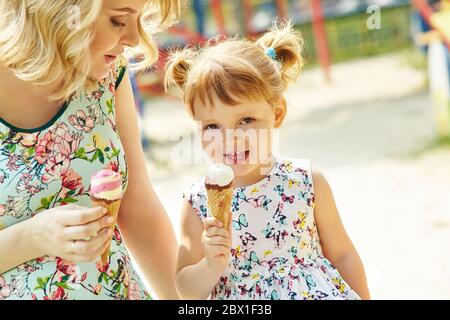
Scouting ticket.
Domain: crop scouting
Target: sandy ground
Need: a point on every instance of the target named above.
(371, 133)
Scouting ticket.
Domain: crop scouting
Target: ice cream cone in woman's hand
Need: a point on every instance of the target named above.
(106, 191)
(219, 183)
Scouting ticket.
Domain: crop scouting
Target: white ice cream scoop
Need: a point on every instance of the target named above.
(219, 174)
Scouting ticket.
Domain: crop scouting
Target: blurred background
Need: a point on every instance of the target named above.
(371, 111)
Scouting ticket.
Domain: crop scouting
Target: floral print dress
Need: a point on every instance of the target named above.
(276, 252)
(51, 166)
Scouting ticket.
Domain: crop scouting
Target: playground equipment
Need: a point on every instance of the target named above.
(153, 83)
(334, 31)
(438, 65)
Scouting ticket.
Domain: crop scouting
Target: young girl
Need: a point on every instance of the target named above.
(286, 240)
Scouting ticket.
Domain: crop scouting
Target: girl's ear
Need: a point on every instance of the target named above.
(280, 113)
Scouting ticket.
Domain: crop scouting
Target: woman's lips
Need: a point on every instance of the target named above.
(110, 59)
(237, 157)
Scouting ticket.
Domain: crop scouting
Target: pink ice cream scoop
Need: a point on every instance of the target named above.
(106, 184)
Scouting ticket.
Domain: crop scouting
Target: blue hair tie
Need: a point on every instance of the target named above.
(271, 53)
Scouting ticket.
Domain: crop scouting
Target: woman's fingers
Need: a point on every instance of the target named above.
(82, 216)
(89, 230)
(92, 247)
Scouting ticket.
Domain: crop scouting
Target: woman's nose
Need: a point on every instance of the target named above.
(132, 37)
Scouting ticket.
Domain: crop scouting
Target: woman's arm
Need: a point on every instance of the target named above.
(13, 250)
(336, 244)
(145, 226)
(196, 276)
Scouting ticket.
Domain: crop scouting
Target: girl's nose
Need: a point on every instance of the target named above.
(234, 136)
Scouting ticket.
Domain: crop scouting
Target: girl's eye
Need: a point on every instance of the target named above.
(116, 23)
(247, 120)
(211, 127)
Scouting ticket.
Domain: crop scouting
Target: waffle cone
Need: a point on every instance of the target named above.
(219, 201)
(113, 210)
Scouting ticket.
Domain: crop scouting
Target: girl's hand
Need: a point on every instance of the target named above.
(72, 232)
(216, 242)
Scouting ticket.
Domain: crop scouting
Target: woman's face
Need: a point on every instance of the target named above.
(116, 27)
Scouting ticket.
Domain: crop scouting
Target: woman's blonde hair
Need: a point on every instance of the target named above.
(234, 70)
(38, 44)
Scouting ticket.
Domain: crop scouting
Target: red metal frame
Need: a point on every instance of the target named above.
(282, 8)
(248, 15)
(320, 37)
(216, 6)
(426, 11)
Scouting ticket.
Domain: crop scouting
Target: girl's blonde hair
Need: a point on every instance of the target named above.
(234, 70)
(38, 44)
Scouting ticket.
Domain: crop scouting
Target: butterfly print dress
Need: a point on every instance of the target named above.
(275, 252)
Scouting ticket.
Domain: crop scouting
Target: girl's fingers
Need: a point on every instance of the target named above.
(212, 222)
(220, 250)
(215, 231)
(218, 241)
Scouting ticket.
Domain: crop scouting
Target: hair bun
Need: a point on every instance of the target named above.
(288, 45)
(178, 67)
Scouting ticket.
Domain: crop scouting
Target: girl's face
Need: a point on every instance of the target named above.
(115, 28)
(240, 135)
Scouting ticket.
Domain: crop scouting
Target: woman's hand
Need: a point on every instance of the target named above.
(72, 232)
(216, 242)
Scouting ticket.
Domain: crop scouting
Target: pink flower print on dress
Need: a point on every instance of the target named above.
(113, 165)
(82, 122)
(44, 148)
(134, 291)
(57, 142)
(65, 142)
(101, 267)
(27, 139)
(66, 267)
(5, 290)
(56, 167)
(59, 294)
(71, 180)
(12, 163)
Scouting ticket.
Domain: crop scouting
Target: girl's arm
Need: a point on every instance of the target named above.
(196, 277)
(336, 244)
(146, 228)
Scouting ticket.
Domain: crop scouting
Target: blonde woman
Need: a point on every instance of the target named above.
(67, 111)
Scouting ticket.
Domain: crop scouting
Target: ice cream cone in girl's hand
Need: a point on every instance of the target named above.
(219, 183)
